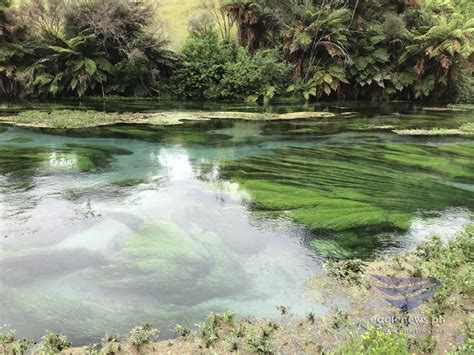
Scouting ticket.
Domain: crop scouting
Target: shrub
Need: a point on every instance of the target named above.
(210, 328)
(212, 69)
(53, 343)
(110, 345)
(142, 335)
(11, 345)
(182, 331)
(350, 271)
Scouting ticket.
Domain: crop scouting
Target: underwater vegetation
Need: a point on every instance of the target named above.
(167, 260)
(351, 196)
(190, 133)
(21, 163)
(20, 140)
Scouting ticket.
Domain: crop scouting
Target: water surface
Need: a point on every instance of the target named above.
(104, 229)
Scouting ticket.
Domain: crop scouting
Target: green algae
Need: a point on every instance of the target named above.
(70, 118)
(175, 260)
(462, 106)
(129, 182)
(20, 140)
(20, 164)
(352, 195)
(191, 133)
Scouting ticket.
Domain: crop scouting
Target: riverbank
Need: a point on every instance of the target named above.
(370, 324)
(426, 123)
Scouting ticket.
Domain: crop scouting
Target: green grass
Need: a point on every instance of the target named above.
(175, 14)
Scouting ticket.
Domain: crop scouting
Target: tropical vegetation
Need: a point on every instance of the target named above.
(240, 50)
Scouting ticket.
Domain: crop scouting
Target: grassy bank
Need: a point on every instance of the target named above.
(176, 14)
(443, 324)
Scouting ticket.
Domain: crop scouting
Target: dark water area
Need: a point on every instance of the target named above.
(104, 229)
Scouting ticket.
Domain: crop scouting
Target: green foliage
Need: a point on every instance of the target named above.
(440, 49)
(349, 271)
(210, 329)
(92, 48)
(256, 23)
(212, 69)
(467, 347)
(140, 73)
(110, 345)
(303, 89)
(12, 53)
(10, 345)
(54, 343)
(75, 66)
(370, 70)
(369, 49)
(144, 334)
(377, 341)
(316, 39)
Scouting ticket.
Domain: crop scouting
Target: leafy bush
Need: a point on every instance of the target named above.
(211, 327)
(110, 345)
(54, 343)
(349, 271)
(144, 334)
(182, 331)
(211, 69)
(11, 345)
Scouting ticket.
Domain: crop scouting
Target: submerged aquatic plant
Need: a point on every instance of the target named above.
(351, 196)
(20, 164)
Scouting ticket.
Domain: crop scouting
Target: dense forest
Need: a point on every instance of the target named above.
(240, 50)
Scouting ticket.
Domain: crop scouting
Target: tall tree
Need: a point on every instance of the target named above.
(257, 25)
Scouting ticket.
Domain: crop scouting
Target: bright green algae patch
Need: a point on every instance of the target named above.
(349, 194)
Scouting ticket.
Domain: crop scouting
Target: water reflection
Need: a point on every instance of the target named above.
(156, 237)
(92, 257)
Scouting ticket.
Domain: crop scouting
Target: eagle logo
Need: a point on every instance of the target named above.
(406, 293)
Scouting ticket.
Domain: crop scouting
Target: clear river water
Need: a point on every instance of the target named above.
(105, 229)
